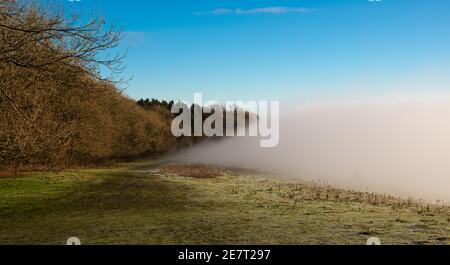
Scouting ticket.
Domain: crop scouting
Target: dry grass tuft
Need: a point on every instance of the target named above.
(193, 170)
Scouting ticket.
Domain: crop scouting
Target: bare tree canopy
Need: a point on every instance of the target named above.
(35, 36)
(56, 107)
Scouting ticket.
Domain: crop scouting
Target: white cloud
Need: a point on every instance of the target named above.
(255, 11)
(221, 11)
(271, 10)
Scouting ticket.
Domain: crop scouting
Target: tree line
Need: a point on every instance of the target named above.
(57, 108)
(60, 99)
(234, 113)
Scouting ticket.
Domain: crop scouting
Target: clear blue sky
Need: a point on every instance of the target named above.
(283, 49)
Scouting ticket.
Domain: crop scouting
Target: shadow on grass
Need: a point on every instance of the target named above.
(127, 192)
(117, 206)
(114, 191)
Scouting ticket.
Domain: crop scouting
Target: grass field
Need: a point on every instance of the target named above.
(148, 202)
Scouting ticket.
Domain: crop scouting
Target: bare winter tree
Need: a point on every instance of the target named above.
(26, 27)
(46, 57)
(57, 105)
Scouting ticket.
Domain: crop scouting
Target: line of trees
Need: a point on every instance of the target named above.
(165, 108)
(56, 109)
(60, 102)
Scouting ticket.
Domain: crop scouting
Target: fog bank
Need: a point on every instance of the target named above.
(401, 148)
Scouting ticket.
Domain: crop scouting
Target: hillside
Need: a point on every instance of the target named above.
(149, 202)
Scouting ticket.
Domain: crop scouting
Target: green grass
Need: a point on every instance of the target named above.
(136, 203)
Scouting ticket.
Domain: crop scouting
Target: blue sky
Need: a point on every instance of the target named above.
(307, 50)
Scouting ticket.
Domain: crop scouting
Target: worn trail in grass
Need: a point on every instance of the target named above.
(142, 203)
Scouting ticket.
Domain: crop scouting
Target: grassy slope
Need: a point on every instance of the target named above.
(135, 204)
